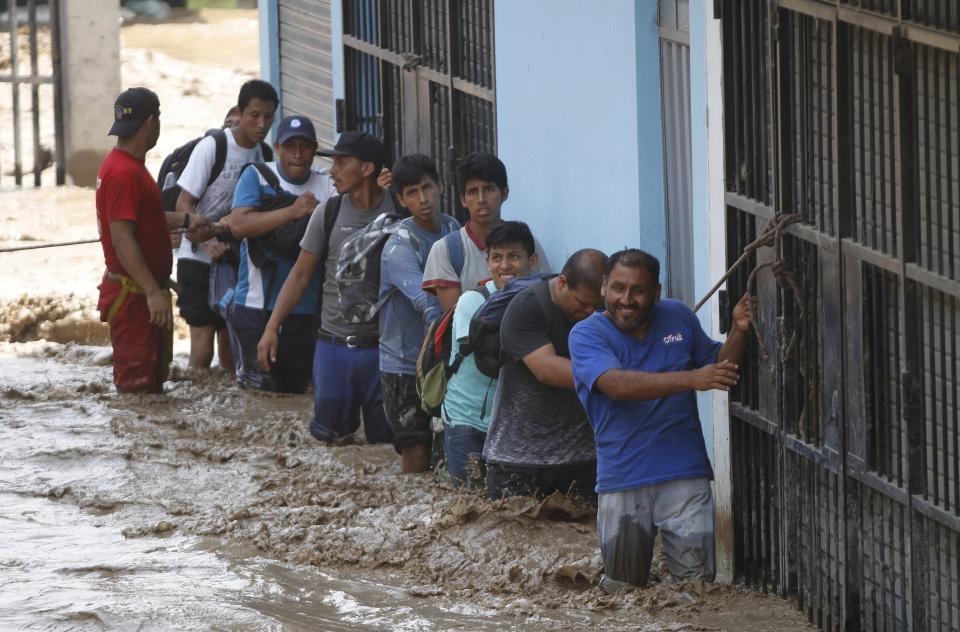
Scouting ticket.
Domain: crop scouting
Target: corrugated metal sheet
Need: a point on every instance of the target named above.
(675, 99)
(306, 64)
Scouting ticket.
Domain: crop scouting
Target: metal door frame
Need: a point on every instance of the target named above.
(846, 462)
(35, 80)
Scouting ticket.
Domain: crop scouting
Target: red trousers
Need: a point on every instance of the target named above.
(140, 357)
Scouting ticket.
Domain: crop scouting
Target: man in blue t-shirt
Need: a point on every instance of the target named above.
(637, 366)
(407, 309)
(257, 286)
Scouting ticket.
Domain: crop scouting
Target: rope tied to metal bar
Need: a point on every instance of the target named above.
(771, 237)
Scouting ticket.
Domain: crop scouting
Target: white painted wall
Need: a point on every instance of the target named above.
(706, 87)
(90, 51)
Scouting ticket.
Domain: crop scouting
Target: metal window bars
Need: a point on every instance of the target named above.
(846, 440)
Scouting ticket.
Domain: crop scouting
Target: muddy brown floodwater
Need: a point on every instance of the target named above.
(211, 507)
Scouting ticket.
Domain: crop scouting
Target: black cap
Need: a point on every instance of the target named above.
(359, 145)
(132, 108)
(296, 127)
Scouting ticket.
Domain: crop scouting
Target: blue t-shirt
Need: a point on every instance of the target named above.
(253, 284)
(643, 442)
(408, 309)
(468, 388)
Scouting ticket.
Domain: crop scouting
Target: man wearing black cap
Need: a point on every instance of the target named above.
(258, 285)
(258, 102)
(346, 370)
(134, 233)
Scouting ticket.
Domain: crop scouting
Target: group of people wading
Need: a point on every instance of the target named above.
(581, 382)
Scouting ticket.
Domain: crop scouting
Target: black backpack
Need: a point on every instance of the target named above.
(485, 324)
(174, 164)
(264, 250)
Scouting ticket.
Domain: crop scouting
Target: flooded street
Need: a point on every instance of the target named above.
(211, 508)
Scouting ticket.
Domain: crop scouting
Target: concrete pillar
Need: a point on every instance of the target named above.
(90, 62)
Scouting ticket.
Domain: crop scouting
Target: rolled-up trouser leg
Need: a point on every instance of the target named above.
(626, 532)
(683, 512)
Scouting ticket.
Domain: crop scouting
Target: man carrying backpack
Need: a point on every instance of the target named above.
(210, 194)
(346, 376)
(408, 310)
(264, 267)
(469, 397)
(457, 263)
(539, 439)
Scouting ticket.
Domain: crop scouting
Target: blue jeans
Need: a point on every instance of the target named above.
(346, 381)
(460, 442)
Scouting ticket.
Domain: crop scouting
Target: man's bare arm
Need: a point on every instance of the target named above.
(247, 221)
(624, 385)
(291, 292)
(549, 368)
(448, 297)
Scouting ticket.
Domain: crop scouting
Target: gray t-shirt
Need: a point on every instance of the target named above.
(350, 220)
(533, 424)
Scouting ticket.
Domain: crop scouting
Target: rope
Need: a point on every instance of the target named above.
(56, 245)
(771, 237)
(67, 243)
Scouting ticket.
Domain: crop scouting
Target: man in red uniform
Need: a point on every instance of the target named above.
(135, 234)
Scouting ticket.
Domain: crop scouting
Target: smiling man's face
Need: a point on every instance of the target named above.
(509, 261)
(630, 294)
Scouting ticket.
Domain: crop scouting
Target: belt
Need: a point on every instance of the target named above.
(351, 342)
(129, 286)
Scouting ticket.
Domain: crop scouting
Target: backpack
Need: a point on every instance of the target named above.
(485, 324)
(358, 269)
(283, 241)
(174, 164)
(264, 250)
(454, 246)
(434, 368)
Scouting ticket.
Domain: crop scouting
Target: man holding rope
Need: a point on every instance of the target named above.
(637, 366)
(134, 232)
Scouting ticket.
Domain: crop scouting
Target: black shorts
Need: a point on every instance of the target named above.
(194, 296)
(293, 369)
(410, 425)
(510, 480)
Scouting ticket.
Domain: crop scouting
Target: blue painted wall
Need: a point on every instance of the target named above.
(578, 122)
(270, 47)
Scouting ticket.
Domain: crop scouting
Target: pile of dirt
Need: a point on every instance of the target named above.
(58, 318)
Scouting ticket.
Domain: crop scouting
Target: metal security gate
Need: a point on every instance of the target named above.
(420, 74)
(845, 438)
(306, 63)
(19, 21)
(674, 16)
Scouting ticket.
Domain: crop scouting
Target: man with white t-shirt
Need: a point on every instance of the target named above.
(259, 285)
(258, 104)
(458, 262)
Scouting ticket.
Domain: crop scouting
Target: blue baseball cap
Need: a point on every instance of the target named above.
(296, 127)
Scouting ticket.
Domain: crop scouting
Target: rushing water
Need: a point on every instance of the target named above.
(211, 508)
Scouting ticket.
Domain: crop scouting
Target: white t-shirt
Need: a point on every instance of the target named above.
(440, 273)
(216, 200)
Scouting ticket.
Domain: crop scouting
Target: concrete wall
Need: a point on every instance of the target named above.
(578, 122)
(706, 105)
(90, 47)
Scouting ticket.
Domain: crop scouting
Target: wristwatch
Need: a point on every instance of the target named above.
(186, 220)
